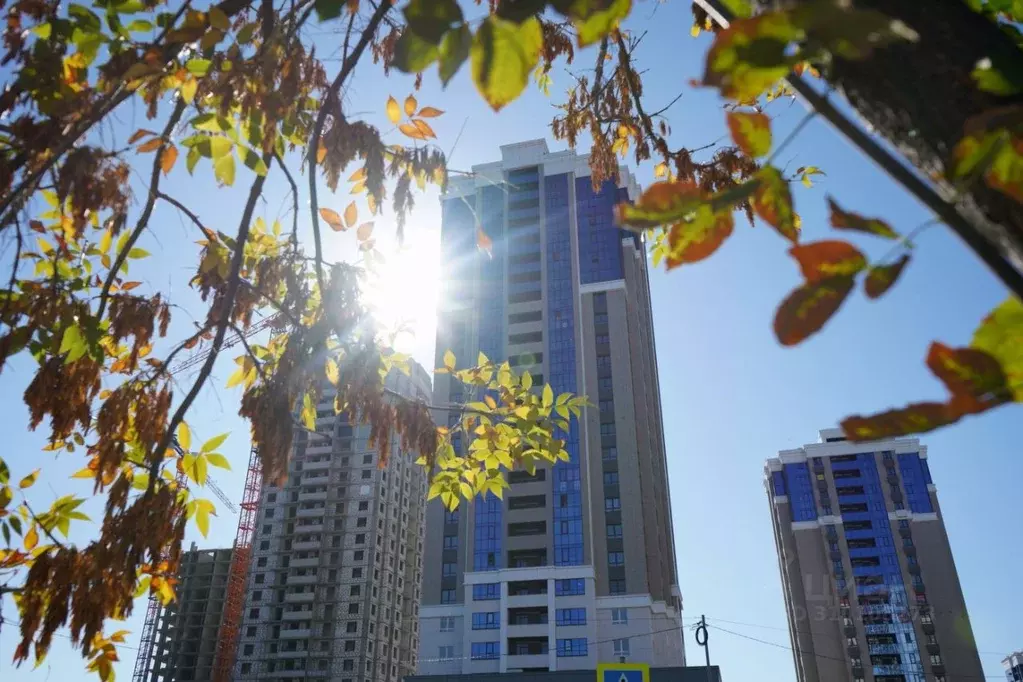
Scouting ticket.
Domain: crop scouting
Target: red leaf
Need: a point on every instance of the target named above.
(915, 418)
(807, 308)
(852, 221)
(881, 278)
(830, 258)
(694, 240)
(973, 377)
(772, 201)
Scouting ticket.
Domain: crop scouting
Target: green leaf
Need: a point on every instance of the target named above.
(1001, 336)
(139, 26)
(454, 50)
(751, 55)
(751, 131)
(995, 81)
(192, 158)
(218, 460)
(223, 169)
(202, 520)
(213, 443)
(254, 161)
(595, 21)
(198, 67)
(136, 253)
(773, 203)
(548, 395)
(219, 147)
(661, 203)
(29, 480)
(503, 54)
(881, 278)
(73, 343)
(413, 53)
(846, 31)
(211, 123)
(43, 30)
(431, 19)
(184, 437)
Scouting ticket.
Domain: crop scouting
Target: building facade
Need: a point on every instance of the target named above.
(870, 586)
(334, 585)
(576, 564)
(184, 635)
(1013, 664)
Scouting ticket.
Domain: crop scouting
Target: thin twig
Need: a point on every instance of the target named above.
(224, 318)
(793, 134)
(14, 277)
(294, 202)
(147, 211)
(245, 345)
(907, 241)
(181, 207)
(330, 100)
(46, 530)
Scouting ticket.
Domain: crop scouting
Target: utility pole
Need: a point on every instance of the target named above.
(703, 639)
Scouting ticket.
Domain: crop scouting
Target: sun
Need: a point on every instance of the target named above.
(402, 292)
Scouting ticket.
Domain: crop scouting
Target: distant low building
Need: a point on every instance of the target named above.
(1013, 664)
(667, 674)
(184, 635)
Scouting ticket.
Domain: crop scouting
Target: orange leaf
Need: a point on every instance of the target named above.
(424, 127)
(364, 231)
(751, 131)
(167, 158)
(393, 110)
(694, 240)
(139, 134)
(483, 242)
(321, 154)
(660, 204)
(973, 377)
(807, 308)
(412, 131)
(915, 418)
(333, 219)
(351, 214)
(37, 226)
(128, 286)
(772, 201)
(851, 221)
(830, 258)
(150, 146)
(358, 175)
(881, 278)
(410, 105)
(429, 112)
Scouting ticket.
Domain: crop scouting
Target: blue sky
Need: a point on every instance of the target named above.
(731, 395)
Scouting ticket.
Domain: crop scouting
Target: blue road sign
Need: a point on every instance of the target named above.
(623, 672)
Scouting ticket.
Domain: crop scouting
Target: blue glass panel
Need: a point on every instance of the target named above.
(571, 616)
(489, 620)
(572, 647)
(915, 478)
(797, 482)
(600, 240)
(561, 367)
(458, 237)
(485, 650)
(778, 479)
(486, 591)
(569, 587)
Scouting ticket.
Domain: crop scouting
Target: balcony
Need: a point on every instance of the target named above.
(527, 646)
(527, 616)
(883, 649)
(301, 633)
(528, 662)
(319, 449)
(301, 580)
(313, 497)
(299, 597)
(317, 466)
(527, 558)
(307, 513)
(290, 654)
(307, 545)
(297, 615)
(312, 562)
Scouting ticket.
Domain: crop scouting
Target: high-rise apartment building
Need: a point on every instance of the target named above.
(870, 586)
(576, 564)
(1013, 664)
(333, 587)
(183, 640)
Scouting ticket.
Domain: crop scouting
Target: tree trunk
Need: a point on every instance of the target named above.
(920, 95)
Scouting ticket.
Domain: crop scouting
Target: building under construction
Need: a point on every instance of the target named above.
(180, 641)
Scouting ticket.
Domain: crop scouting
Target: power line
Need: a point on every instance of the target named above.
(833, 658)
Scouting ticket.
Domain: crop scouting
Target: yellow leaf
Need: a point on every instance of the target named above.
(410, 105)
(84, 473)
(527, 380)
(371, 202)
(333, 372)
(424, 127)
(184, 436)
(359, 187)
(31, 538)
(393, 111)
(412, 131)
(167, 158)
(351, 214)
(449, 360)
(358, 175)
(237, 377)
(364, 231)
(333, 219)
(188, 90)
(29, 480)
(429, 112)
(694, 31)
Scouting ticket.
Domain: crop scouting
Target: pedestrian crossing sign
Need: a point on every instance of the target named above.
(623, 672)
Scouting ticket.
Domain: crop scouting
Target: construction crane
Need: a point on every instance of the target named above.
(227, 641)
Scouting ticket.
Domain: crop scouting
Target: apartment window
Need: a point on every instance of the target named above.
(575, 646)
(447, 624)
(486, 591)
(359, 555)
(261, 562)
(616, 558)
(246, 668)
(353, 608)
(485, 650)
(356, 590)
(609, 453)
(607, 429)
(600, 318)
(612, 503)
(570, 616)
(621, 646)
(269, 514)
(614, 530)
(250, 632)
(364, 506)
(260, 578)
(616, 586)
(257, 595)
(350, 645)
(610, 478)
(248, 649)
(450, 516)
(448, 568)
(619, 616)
(569, 587)
(490, 620)
(356, 573)
(450, 542)
(264, 545)
(367, 474)
(352, 627)
(447, 596)
(446, 653)
(253, 613)
(936, 659)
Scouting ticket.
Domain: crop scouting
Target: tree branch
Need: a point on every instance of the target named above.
(294, 200)
(181, 207)
(248, 350)
(329, 100)
(143, 223)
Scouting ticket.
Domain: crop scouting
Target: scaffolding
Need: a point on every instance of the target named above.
(234, 601)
